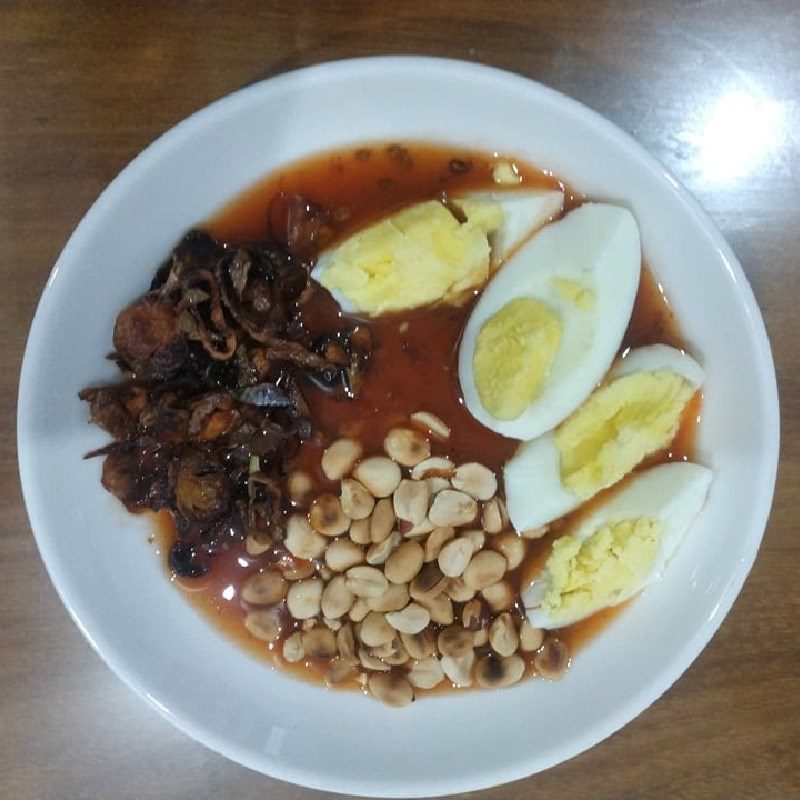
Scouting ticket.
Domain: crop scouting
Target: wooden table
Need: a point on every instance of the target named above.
(710, 88)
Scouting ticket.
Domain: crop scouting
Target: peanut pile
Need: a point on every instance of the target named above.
(411, 582)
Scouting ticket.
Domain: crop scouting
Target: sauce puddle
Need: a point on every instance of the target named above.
(413, 366)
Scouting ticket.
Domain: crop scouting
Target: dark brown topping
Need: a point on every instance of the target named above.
(115, 408)
(202, 489)
(137, 473)
(202, 317)
(148, 338)
(144, 327)
(215, 357)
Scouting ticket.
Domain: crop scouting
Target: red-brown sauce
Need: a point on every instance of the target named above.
(414, 362)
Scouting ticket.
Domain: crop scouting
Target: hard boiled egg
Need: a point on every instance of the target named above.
(618, 548)
(550, 322)
(634, 413)
(423, 254)
(412, 258)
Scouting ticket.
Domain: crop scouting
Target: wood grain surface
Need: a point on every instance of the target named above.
(710, 88)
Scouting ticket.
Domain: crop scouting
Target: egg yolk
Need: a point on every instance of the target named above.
(572, 291)
(412, 258)
(619, 425)
(513, 354)
(608, 566)
(486, 214)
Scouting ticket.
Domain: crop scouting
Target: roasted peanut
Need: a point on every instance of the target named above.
(435, 541)
(415, 531)
(406, 447)
(338, 459)
(454, 557)
(378, 474)
(336, 598)
(391, 689)
(426, 674)
(436, 485)
(393, 599)
(410, 501)
(459, 670)
(359, 531)
(382, 520)
(494, 671)
(380, 551)
(503, 636)
(552, 658)
(319, 643)
(256, 548)
(346, 641)
(458, 591)
(491, 519)
(262, 625)
(436, 466)
(357, 502)
(265, 588)
(375, 630)
(303, 599)
(297, 570)
(428, 583)
(451, 507)
(500, 596)
(372, 662)
(530, 638)
(476, 480)
(293, 647)
(366, 581)
(513, 547)
(358, 610)
(341, 669)
(412, 619)
(455, 641)
(299, 485)
(474, 615)
(392, 653)
(420, 645)
(326, 515)
(404, 563)
(431, 423)
(485, 568)
(440, 608)
(302, 541)
(342, 554)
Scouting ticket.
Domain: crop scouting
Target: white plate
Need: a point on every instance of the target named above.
(111, 580)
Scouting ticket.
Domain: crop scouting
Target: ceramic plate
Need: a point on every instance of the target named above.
(111, 579)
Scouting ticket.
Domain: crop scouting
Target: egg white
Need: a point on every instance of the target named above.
(673, 493)
(532, 477)
(596, 246)
(654, 357)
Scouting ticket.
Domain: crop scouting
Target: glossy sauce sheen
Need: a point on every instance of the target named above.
(414, 364)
